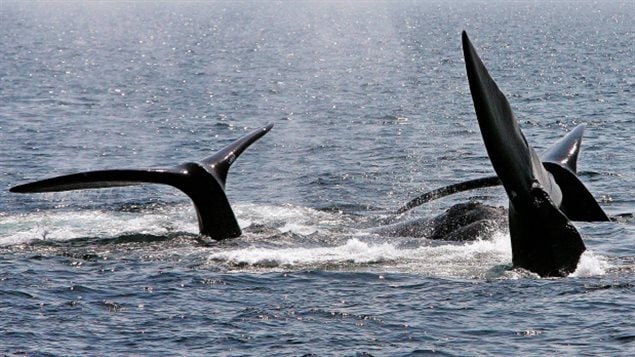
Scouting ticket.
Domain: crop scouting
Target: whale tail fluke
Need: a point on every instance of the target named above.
(543, 239)
(565, 151)
(560, 159)
(203, 183)
(99, 179)
(516, 163)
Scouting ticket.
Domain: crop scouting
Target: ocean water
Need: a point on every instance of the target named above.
(371, 107)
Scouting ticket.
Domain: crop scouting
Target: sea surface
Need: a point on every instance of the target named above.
(371, 107)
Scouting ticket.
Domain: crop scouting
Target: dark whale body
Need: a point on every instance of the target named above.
(461, 222)
(203, 182)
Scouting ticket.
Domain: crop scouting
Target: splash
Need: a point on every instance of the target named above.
(313, 240)
(590, 265)
(66, 225)
(303, 223)
(288, 218)
(457, 260)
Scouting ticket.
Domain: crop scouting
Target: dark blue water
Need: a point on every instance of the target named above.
(371, 107)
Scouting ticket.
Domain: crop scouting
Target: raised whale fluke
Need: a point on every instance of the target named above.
(203, 183)
(560, 159)
(542, 237)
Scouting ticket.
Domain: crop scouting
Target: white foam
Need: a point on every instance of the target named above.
(300, 229)
(288, 218)
(353, 251)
